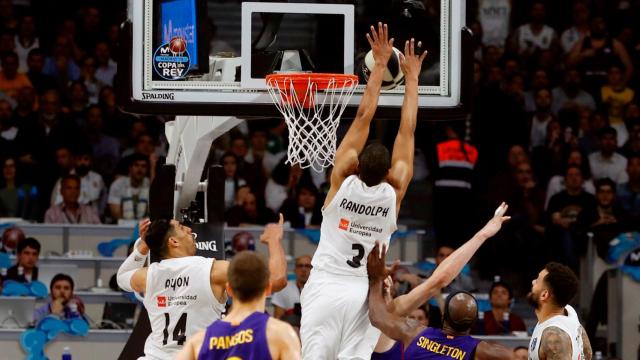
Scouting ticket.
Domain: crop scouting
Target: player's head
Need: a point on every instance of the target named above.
(248, 276)
(374, 163)
(555, 286)
(170, 239)
(460, 312)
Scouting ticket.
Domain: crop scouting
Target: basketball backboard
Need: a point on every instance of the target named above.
(190, 57)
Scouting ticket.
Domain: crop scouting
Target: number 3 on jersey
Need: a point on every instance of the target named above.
(179, 331)
(355, 261)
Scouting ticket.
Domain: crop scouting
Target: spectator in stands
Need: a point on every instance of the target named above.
(61, 63)
(283, 182)
(250, 212)
(556, 184)
(105, 148)
(8, 130)
(541, 118)
(107, 68)
(562, 214)
(539, 81)
(41, 82)
(17, 199)
(129, 195)
(535, 36)
(632, 147)
(263, 162)
(240, 149)
(616, 97)
(64, 304)
(287, 300)
(595, 54)
(303, 210)
(26, 40)
(11, 80)
(26, 269)
(92, 186)
(71, 211)
(579, 30)
(232, 181)
(500, 297)
(421, 315)
(88, 67)
(78, 98)
(547, 159)
(494, 20)
(570, 94)
(607, 163)
(628, 194)
(521, 353)
(24, 113)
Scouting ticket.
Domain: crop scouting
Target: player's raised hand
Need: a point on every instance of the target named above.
(380, 43)
(495, 224)
(143, 228)
(272, 232)
(411, 60)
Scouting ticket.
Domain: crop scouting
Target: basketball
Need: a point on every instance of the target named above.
(393, 75)
(178, 45)
(11, 237)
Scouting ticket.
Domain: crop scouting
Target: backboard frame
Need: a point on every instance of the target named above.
(130, 92)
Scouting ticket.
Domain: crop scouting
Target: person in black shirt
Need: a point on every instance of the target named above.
(25, 270)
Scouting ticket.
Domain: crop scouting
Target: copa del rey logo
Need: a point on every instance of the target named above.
(344, 224)
(162, 301)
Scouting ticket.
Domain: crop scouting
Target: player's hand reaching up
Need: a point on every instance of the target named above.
(143, 228)
(495, 224)
(272, 232)
(376, 264)
(411, 60)
(380, 43)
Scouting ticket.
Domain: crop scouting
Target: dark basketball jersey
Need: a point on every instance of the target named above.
(246, 341)
(395, 353)
(433, 344)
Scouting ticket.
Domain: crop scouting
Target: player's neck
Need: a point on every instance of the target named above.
(546, 312)
(241, 310)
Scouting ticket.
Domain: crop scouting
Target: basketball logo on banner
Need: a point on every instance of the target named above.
(171, 60)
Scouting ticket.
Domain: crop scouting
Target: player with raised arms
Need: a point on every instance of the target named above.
(247, 332)
(367, 186)
(184, 293)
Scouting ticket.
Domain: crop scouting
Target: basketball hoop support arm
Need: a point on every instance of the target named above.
(190, 139)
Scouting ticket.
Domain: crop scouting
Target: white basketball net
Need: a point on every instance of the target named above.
(312, 128)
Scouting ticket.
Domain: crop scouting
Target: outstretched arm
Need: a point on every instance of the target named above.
(403, 149)
(131, 275)
(450, 267)
(396, 327)
(492, 351)
(272, 237)
(356, 137)
(191, 349)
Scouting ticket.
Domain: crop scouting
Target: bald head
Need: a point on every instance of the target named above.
(461, 312)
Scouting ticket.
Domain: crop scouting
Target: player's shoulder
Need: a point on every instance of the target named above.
(281, 334)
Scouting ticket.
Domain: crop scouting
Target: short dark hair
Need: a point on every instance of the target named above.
(374, 164)
(68, 177)
(61, 277)
(248, 275)
(562, 282)
(35, 52)
(8, 54)
(28, 242)
(157, 235)
(607, 130)
(605, 182)
(501, 284)
(138, 157)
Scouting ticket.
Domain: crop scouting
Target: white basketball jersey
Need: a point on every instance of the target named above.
(494, 16)
(357, 216)
(527, 39)
(180, 302)
(570, 324)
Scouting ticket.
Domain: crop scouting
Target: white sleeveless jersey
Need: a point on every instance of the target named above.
(357, 216)
(180, 302)
(494, 17)
(570, 324)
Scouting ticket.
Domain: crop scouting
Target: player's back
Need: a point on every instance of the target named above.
(355, 218)
(569, 323)
(434, 344)
(246, 340)
(180, 302)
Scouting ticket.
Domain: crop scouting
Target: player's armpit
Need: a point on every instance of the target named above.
(586, 345)
(555, 344)
(139, 280)
(283, 341)
(191, 349)
(492, 351)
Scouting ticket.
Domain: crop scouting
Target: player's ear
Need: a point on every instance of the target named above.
(268, 289)
(229, 291)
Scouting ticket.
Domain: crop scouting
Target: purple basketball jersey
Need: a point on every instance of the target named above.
(395, 353)
(433, 344)
(246, 341)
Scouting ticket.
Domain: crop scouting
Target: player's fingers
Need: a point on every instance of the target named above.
(381, 31)
(281, 220)
(391, 41)
(374, 34)
(394, 267)
(412, 47)
(369, 39)
(406, 48)
(385, 33)
(505, 218)
(423, 56)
